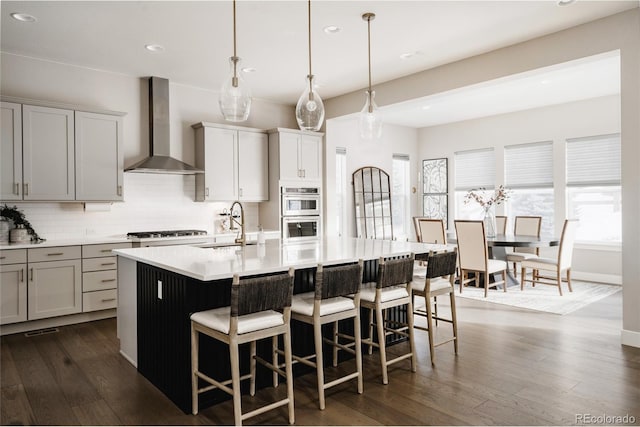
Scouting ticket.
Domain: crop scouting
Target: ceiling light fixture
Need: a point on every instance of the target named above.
(331, 29)
(154, 47)
(310, 109)
(369, 122)
(235, 95)
(23, 17)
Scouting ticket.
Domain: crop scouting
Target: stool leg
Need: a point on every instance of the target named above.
(194, 368)
(274, 354)
(358, 348)
(289, 371)
(317, 337)
(235, 381)
(371, 330)
(335, 343)
(454, 320)
(430, 327)
(382, 341)
(412, 341)
(252, 368)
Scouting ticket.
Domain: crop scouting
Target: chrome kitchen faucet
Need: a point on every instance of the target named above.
(242, 239)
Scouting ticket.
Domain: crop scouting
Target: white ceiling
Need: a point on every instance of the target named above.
(272, 38)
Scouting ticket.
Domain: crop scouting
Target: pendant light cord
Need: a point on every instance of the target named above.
(310, 73)
(234, 29)
(369, 45)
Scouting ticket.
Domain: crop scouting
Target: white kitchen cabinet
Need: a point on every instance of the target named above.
(299, 154)
(99, 159)
(100, 276)
(48, 153)
(235, 163)
(54, 288)
(13, 286)
(11, 152)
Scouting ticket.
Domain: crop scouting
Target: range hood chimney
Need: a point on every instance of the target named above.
(160, 160)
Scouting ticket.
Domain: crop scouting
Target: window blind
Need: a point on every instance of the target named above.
(475, 169)
(593, 161)
(529, 165)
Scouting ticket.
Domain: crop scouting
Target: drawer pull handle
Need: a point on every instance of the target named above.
(2, 257)
(21, 275)
(108, 263)
(25, 188)
(105, 250)
(108, 299)
(31, 274)
(55, 254)
(17, 192)
(108, 280)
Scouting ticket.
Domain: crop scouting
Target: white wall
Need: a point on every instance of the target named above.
(151, 201)
(617, 32)
(557, 123)
(343, 132)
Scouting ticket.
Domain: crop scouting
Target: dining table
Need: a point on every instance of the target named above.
(499, 243)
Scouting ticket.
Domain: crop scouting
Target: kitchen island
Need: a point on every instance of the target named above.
(159, 287)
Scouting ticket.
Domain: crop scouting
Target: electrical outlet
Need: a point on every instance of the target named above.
(159, 289)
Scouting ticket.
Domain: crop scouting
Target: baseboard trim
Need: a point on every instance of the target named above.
(32, 325)
(129, 359)
(612, 279)
(630, 338)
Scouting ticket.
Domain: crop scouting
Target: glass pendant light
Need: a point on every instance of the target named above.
(235, 95)
(310, 108)
(369, 121)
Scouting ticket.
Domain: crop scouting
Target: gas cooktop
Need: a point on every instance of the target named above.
(165, 233)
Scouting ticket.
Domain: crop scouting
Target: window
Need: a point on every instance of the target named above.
(529, 176)
(473, 169)
(400, 203)
(341, 189)
(594, 193)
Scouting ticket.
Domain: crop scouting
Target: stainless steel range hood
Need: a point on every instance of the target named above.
(160, 160)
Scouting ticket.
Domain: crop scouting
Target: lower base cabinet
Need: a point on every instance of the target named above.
(54, 288)
(13, 294)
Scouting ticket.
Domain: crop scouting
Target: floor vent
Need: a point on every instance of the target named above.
(41, 332)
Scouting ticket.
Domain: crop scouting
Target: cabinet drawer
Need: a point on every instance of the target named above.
(99, 280)
(55, 253)
(13, 256)
(97, 264)
(99, 300)
(95, 251)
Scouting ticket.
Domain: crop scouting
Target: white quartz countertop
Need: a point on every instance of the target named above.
(67, 242)
(214, 263)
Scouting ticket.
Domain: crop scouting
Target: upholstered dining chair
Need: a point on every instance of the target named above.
(501, 224)
(473, 254)
(559, 265)
(439, 280)
(430, 230)
(525, 226)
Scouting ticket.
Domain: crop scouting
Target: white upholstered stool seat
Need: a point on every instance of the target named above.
(368, 293)
(437, 284)
(218, 319)
(303, 304)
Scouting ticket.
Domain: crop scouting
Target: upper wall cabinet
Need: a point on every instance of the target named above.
(59, 154)
(47, 153)
(11, 152)
(99, 157)
(298, 154)
(235, 163)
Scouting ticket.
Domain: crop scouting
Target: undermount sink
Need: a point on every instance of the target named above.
(223, 245)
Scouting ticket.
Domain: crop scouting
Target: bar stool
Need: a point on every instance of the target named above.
(439, 280)
(391, 289)
(254, 314)
(329, 303)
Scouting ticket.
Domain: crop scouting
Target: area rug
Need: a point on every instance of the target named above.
(544, 297)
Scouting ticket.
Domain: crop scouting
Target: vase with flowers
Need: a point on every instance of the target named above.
(487, 200)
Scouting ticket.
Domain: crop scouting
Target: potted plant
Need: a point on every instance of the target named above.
(18, 219)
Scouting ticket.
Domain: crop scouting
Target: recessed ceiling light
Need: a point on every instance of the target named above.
(565, 2)
(154, 47)
(331, 29)
(24, 17)
(248, 70)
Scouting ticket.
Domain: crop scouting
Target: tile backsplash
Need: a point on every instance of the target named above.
(152, 202)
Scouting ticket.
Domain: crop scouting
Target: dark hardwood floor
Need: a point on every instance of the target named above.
(515, 367)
